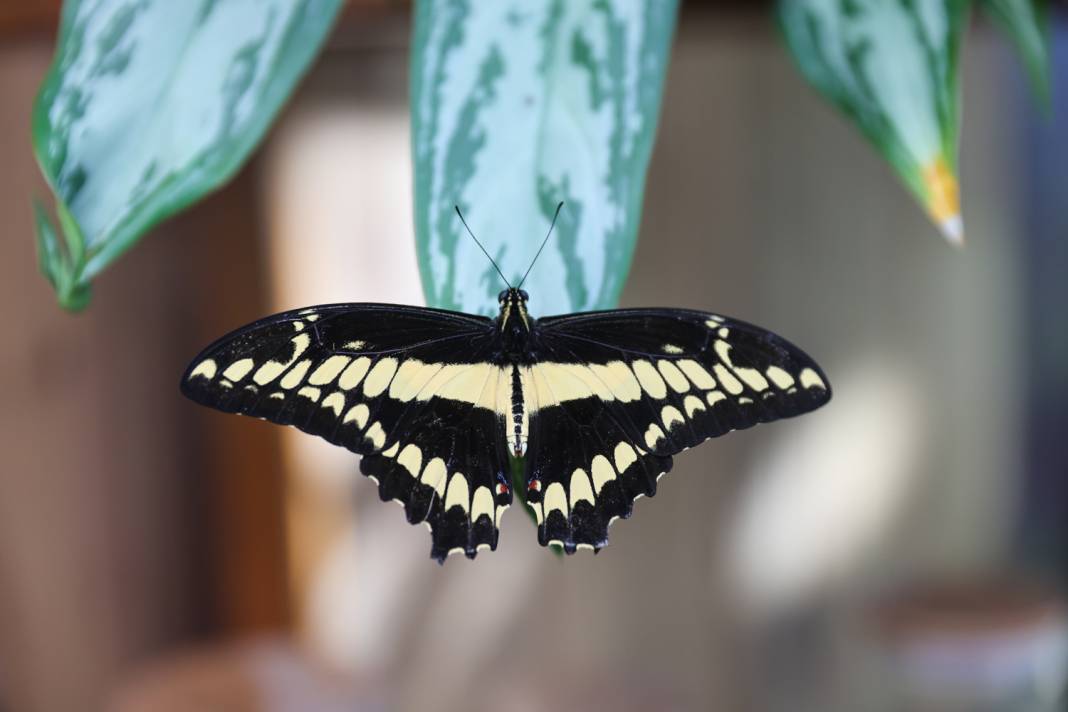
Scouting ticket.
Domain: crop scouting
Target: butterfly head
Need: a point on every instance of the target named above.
(513, 296)
(513, 316)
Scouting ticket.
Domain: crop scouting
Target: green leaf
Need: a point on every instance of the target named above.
(518, 105)
(1026, 22)
(151, 104)
(891, 66)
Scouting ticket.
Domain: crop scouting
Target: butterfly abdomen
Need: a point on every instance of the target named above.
(519, 438)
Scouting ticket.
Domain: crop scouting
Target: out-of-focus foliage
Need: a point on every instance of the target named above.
(148, 106)
(516, 105)
(1026, 22)
(892, 67)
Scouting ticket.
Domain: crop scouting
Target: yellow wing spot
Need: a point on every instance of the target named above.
(653, 435)
(584, 547)
(602, 472)
(458, 493)
(539, 511)
(328, 370)
(273, 369)
(379, 377)
(752, 377)
(354, 345)
(618, 379)
(482, 504)
(312, 317)
(278, 395)
(692, 404)
(714, 397)
(411, 459)
(672, 349)
(376, 435)
(555, 499)
(713, 321)
(392, 451)
(580, 487)
(651, 381)
(561, 382)
(295, 375)
(298, 325)
(811, 379)
(335, 401)
(745, 401)
(268, 372)
(238, 369)
(434, 475)
(671, 416)
(358, 414)
(310, 392)
(205, 368)
(354, 373)
(732, 384)
(625, 457)
(697, 373)
(673, 376)
(780, 378)
(723, 332)
(412, 375)
(467, 383)
(723, 350)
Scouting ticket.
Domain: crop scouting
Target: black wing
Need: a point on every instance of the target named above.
(615, 394)
(410, 389)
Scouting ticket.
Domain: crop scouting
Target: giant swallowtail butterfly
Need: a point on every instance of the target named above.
(436, 401)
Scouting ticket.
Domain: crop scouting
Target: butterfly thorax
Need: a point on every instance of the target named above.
(515, 326)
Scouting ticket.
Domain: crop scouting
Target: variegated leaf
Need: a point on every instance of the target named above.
(891, 65)
(150, 104)
(517, 105)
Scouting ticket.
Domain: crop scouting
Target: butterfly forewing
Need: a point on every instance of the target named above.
(412, 390)
(615, 394)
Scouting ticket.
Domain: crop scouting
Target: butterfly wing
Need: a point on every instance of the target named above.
(409, 389)
(614, 395)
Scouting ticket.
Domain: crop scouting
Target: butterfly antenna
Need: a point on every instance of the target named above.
(543, 243)
(481, 247)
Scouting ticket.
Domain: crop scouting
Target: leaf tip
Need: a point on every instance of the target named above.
(75, 297)
(953, 230)
(72, 292)
(942, 192)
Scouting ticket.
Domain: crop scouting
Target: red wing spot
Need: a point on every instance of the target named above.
(535, 485)
(502, 488)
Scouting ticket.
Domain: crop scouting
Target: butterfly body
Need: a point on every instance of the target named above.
(436, 401)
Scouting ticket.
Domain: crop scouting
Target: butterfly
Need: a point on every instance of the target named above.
(438, 403)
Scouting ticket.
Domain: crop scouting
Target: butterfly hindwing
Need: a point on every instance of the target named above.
(613, 395)
(410, 389)
(584, 471)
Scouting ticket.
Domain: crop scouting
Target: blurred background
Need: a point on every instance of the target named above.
(905, 548)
